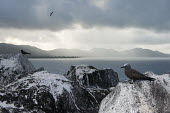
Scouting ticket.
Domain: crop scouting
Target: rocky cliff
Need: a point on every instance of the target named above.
(139, 97)
(25, 89)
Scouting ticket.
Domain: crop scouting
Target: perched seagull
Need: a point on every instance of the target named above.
(24, 52)
(135, 75)
(51, 13)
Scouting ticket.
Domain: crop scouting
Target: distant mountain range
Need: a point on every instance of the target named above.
(96, 52)
(10, 48)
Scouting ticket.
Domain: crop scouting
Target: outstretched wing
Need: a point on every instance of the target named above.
(51, 13)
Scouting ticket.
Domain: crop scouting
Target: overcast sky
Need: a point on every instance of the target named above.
(86, 24)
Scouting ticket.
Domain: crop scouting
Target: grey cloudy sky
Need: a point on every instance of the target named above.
(85, 24)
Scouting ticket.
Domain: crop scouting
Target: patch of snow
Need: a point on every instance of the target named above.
(17, 61)
(5, 105)
(55, 82)
(164, 80)
(35, 101)
(6, 63)
(81, 70)
(2, 94)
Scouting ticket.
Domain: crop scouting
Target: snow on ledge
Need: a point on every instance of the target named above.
(51, 80)
(55, 82)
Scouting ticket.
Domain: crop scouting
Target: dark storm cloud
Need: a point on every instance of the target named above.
(149, 40)
(34, 14)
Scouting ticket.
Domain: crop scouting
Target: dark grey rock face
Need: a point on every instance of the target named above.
(89, 76)
(91, 85)
(28, 100)
(25, 89)
(139, 97)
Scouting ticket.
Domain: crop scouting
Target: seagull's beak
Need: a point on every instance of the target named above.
(122, 67)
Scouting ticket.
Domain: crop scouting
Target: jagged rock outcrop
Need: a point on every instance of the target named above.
(139, 97)
(14, 67)
(38, 92)
(25, 89)
(89, 76)
(91, 85)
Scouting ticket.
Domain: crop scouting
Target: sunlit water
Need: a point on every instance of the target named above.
(61, 66)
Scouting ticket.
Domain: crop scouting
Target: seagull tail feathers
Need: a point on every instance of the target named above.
(150, 79)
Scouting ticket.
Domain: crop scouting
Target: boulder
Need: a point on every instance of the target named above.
(89, 76)
(139, 97)
(91, 85)
(39, 92)
(14, 67)
(25, 89)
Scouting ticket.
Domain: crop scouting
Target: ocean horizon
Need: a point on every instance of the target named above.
(157, 65)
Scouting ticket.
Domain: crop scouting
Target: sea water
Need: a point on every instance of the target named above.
(142, 64)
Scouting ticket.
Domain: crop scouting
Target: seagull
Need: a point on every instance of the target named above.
(135, 75)
(24, 52)
(51, 13)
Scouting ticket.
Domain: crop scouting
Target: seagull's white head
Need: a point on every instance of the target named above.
(126, 66)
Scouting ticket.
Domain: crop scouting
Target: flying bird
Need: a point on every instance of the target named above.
(135, 75)
(51, 13)
(24, 52)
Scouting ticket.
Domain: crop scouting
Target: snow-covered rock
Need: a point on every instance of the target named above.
(37, 92)
(139, 97)
(14, 67)
(89, 76)
(91, 85)
(23, 89)
(55, 83)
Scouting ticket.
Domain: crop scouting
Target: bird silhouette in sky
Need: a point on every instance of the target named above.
(51, 13)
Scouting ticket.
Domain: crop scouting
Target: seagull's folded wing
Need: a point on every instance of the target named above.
(137, 75)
